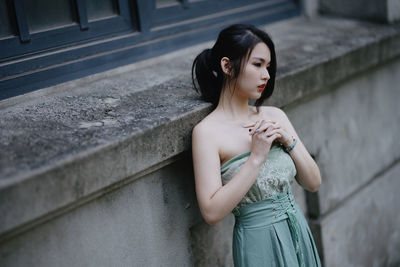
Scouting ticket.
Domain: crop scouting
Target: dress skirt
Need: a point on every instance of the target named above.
(273, 232)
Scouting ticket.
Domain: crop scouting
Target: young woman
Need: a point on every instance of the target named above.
(246, 157)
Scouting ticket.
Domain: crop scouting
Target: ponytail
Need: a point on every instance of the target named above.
(208, 75)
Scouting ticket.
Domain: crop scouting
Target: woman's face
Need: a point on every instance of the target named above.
(254, 75)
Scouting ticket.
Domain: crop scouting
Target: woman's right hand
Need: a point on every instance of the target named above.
(261, 143)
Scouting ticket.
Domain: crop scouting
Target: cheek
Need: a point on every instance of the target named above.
(249, 74)
(245, 80)
(248, 77)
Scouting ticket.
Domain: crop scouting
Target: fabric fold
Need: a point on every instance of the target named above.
(278, 213)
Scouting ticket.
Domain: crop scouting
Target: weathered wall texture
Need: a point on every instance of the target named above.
(145, 223)
(353, 132)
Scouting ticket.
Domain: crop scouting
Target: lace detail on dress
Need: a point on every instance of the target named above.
(276, 174)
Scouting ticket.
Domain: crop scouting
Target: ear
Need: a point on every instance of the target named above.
(226, 66)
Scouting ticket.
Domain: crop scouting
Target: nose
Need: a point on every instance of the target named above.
(265, 75)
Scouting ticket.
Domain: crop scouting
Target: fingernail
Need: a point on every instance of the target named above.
(257, 131)
(249, 133)
(242, 125)
(268, 134)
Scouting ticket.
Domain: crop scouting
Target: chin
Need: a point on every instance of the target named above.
(259, 94)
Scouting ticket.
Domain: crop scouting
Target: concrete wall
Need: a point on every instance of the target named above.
(144, 223)
(383, 10)
(353, 132)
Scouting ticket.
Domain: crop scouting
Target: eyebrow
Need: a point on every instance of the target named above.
(261, 59)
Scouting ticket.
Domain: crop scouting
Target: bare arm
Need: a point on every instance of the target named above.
(215, 200)
(308, 174)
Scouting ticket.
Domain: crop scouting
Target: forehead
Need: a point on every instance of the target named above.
(261, 50)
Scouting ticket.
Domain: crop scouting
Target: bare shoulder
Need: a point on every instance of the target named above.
(274, 113)
(205, 129)
(205, 149)
(205, 125)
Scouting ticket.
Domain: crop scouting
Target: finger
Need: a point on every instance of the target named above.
(274, 136)
(266, 126)
(249, 125)
(273, 127)
(256, 126)
(277, 125)
(263, 124)
(272, 132)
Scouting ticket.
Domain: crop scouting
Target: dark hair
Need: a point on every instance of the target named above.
(235, 42)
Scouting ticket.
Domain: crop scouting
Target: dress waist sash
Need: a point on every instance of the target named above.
(276, 208)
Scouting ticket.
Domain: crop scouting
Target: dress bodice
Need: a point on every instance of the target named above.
(276, 174)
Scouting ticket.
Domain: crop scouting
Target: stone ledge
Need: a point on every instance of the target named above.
(387, 11)
(67, 144)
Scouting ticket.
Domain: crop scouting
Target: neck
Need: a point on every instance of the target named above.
(234, 106)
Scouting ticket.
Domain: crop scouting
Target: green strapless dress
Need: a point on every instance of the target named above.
(270, 229)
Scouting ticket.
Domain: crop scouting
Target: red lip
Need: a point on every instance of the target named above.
(261, 87)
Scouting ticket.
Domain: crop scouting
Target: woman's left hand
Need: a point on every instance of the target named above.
(286, 139)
